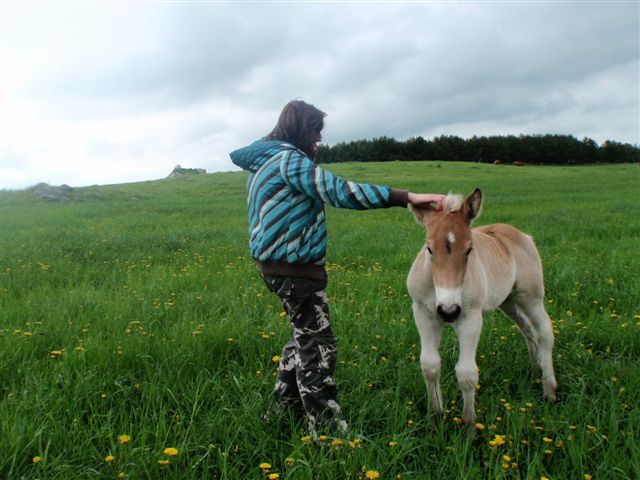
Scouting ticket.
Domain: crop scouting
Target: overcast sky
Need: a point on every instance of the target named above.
(113, 92)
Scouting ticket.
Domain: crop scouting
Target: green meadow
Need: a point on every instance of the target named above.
(137, 340)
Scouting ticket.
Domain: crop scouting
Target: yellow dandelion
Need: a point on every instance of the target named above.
(122, 475)
(323, 438)
(546, 440)
(164, 463)
(109, 458)
(544, 478)
(355, 443)
(586, 476)
(282, 314)
(336, 442)
(265, 466)
(505, 466)
(273, 476)
(410, 422)
(55, 353)
(275, 358)
(306, 439)
(372, 474)
(506, 458)
(497, 440)
(479, 426)
(170, 451)
(124, 439)
(289, 460)
(548, 452)
(36, 459)
(393, 444)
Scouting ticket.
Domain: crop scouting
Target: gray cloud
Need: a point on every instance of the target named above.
(195, 80)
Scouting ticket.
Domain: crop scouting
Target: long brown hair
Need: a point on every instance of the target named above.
(299, 124)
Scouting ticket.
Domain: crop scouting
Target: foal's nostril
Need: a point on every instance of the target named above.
(449, 313)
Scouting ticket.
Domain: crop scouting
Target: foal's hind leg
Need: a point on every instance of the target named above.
(524, 324)
(533, 309)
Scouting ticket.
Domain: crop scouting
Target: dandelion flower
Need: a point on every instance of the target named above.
(109, 458)
(265, 466)
(171, 451)
(506, 458)
(306, 439)
(548, 452)
(336, 442)
(497, 440)
(586, 476)
(164, 463)
(273, 476)
(372, 474)
(124, 439)
(547, 440)
(275, 358)
(479, 426)
(36, 459)
(393, 444)
(289, 460)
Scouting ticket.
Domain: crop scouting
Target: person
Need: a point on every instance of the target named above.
(287, 191)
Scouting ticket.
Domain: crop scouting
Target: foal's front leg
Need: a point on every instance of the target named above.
(430, 329)
(468, 329)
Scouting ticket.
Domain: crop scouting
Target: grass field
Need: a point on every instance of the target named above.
(132, 320)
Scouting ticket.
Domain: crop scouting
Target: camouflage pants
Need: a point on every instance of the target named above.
(308, 361)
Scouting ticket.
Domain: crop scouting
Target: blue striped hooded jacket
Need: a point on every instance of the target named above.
(286, 196)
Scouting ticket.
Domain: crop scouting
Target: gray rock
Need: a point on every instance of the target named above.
(178, 171)
(52, 193)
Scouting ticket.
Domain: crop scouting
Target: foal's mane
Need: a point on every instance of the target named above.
(452, 203)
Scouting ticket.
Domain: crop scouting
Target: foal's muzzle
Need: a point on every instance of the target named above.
(448, 313)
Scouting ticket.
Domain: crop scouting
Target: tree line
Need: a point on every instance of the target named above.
(533, 149)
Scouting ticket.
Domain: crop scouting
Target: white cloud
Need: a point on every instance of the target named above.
(108, 93)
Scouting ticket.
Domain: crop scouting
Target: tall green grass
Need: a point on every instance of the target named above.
(136, 311)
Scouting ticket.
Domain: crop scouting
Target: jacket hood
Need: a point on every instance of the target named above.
(253, 156)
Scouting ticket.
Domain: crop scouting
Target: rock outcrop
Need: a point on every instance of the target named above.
(178, 171)
(52, 193)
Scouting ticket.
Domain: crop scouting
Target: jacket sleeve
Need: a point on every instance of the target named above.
(305, 176)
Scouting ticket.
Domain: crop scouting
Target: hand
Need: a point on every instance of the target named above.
(427, 200)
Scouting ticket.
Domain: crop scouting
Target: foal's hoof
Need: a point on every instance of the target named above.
(435, 421)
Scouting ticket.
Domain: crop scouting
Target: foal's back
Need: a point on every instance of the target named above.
(509, 256)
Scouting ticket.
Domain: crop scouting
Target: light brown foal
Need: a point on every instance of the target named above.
(461, 273)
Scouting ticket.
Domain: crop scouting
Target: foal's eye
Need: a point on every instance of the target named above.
(468, 251)
(429, 250)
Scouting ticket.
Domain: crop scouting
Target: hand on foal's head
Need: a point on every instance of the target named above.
(431, 201)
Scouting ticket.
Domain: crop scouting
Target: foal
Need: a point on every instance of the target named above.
(461, 273)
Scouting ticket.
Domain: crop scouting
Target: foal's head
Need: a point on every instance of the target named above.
(449, 245)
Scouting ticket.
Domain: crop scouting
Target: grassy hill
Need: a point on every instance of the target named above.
(135, 310)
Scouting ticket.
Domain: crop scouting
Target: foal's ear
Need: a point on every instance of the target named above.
(473, 205)
(421, 214)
